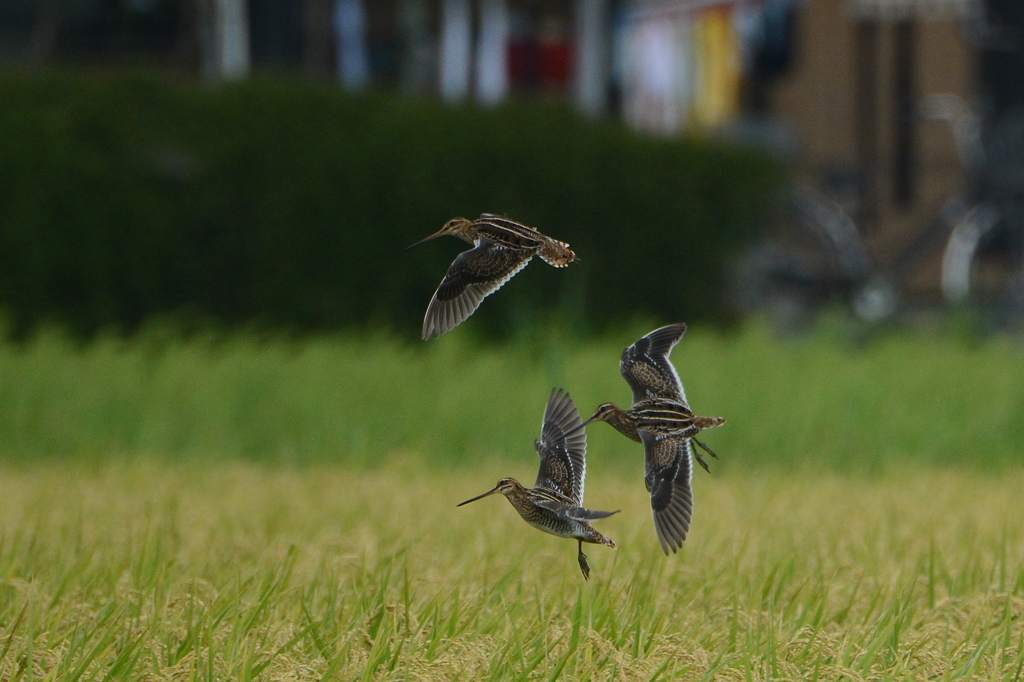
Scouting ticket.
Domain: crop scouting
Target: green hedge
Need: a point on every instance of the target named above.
(289, 204)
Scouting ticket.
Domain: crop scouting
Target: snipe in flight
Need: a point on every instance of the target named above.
(555, 503)
(501, 248)
(662, 420)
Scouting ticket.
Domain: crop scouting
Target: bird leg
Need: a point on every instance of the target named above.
(700, 460)
(584, 566)
(705, 448)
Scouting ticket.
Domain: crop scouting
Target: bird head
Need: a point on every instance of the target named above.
(603, 413)
(505, 486)
(456, 227)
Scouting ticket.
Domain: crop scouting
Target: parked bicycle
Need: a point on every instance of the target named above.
(823, 258)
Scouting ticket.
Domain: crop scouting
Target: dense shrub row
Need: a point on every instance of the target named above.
(124, 197)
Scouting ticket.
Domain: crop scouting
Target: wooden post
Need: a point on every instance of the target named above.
(866, 123)
(904, 101)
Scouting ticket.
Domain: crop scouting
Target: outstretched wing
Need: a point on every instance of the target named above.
(562, 448)
(669, 466)
(472, 276)
(646, 368)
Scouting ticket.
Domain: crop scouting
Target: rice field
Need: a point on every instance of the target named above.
(244, 507)
(364, 400)
(247, 571)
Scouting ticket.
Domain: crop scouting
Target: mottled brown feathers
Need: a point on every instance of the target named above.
(502, 247)
(555, 504)
(662, 419)
(660, 416)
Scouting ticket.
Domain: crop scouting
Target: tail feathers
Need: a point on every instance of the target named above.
(708, 422)
(598, 539)
(557, 254)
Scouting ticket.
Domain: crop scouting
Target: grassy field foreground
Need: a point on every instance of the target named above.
(364, 399)
(239, 571)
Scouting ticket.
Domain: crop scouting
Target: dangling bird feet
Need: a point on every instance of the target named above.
(584, 566)
(705, 448)
(701, 461)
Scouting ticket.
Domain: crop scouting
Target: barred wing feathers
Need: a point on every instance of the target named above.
(562, 448)
(473, 275)
(646, 367)
(669, 467)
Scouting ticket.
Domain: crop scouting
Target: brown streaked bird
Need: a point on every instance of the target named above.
(501, 248)
(555, 503)
(662, 420)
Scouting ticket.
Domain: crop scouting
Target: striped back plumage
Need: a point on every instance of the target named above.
(664, 416)
(501, 248)
(507, 232)
(518, 236)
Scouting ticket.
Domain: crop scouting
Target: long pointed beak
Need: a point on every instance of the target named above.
(479, 497)
(582, 426)
(426, 239)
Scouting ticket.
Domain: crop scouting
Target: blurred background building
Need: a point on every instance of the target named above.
(893, 109)
(835, 83)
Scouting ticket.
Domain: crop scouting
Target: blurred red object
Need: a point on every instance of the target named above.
(554, 64)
